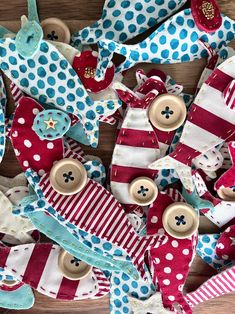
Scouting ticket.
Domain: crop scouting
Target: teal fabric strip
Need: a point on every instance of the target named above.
(20, 299)
(32, 11)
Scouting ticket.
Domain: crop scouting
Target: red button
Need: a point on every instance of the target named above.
(85, 66)
(206, 14)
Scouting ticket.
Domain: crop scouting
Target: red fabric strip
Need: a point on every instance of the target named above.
(219, 80)
(124, 174)
(68, 288)
(36, 264)
(137, 138)
(210, 122)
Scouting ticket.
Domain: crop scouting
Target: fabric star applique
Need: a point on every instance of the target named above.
(153, 305)
(50, 123)
(233, 241)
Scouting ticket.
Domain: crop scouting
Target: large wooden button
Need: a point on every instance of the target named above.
(68, 176)
(71, 267)
(167, 112)
(56, 30)
(180, 220)
(143, 191)
(227, 194)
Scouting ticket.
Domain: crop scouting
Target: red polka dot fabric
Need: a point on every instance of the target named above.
(170, 262)
(31, 151)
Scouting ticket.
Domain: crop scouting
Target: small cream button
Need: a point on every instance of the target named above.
(68, 176)
(180, 220)
(167, 112)
(227, 194)
(71, 267)
(56, 30)
(143, 191)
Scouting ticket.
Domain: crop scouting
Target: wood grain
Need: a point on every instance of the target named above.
(77, 14)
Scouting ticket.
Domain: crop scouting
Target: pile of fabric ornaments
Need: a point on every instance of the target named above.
(133, 234)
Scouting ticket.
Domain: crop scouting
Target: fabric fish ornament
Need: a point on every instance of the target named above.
(123, 20)
(71, 279)
(201, 135)
(206, 249)
(176, 40)
(171, 275)
(49, 77)
(136, 139)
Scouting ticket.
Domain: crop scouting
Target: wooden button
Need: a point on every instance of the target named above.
(68, 176)
(180, 220)
(227, 194)
(143, 191)
(71, 267)
(167, 112)
(56, 30)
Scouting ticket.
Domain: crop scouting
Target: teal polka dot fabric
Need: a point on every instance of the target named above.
(124, 19)
(50, 79)
(206, 250)
(122, 286)
(175, 41)
(96, 171)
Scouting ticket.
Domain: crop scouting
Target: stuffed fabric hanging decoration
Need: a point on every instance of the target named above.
(171, 276)
(68, 281)
(136, 139)
(123, 20)
(200, 135)
(225, 246)
(177, 40)
(45, 76)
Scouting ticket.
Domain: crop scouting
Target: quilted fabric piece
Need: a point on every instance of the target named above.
(43, 258)
(201, 135)
(174, 41)
(31, 151)
(50, 78)
(123, 20)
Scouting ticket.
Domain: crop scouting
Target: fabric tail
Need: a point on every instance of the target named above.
(137, 247)
(183, 171)
(77, 38)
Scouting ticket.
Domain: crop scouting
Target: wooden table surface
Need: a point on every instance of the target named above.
(77, 14)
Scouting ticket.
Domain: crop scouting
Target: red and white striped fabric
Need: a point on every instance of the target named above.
(33, 264)
(216, 286)
(223, 211)
(96, 211)
(200, 135)
(17, 94)
(227, 180)
(74, 146)
(169, 263)
(137, 144)
(229, 95)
